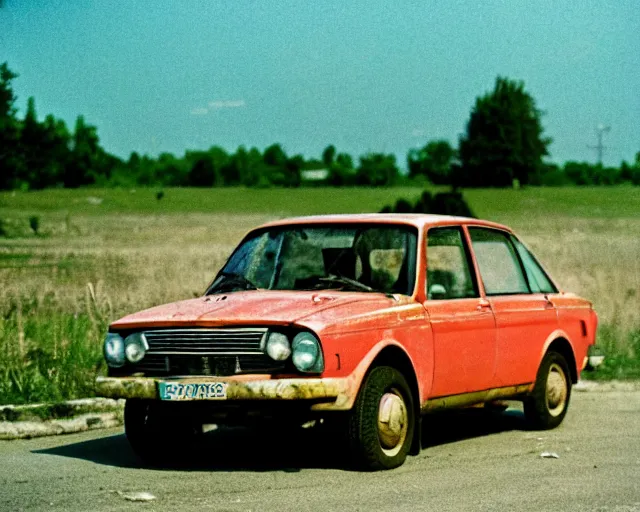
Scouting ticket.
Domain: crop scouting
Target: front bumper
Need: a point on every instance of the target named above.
(323, 394)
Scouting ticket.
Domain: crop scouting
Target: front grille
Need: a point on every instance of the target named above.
(206, 341)
(211, 352)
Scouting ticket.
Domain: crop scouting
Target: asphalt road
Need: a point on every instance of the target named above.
(473, 460)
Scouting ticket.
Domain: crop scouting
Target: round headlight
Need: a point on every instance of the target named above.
(307, 356)
(135, 346)
(278, 346)
(114, 350)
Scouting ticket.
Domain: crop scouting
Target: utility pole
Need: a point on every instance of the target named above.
(600, 130)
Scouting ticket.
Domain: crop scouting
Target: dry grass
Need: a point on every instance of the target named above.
(62, 288)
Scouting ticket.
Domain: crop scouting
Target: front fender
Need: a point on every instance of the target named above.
(356, 377)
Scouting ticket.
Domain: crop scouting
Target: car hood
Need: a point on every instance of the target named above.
(313, 309)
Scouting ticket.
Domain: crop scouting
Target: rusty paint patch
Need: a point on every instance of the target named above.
(466, 399)
(338, 390)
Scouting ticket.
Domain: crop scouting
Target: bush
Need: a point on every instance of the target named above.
(621, 352)
(443, 203)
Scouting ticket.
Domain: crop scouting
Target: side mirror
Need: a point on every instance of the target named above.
(437, 292)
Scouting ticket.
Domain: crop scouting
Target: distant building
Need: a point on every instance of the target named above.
(314, 176)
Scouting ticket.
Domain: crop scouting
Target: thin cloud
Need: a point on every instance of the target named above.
(200, 111)
(227, 104)
(417, 132)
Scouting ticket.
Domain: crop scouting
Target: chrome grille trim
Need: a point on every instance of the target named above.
(207, 341)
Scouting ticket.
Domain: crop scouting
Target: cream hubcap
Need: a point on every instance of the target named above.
(393, 423)
(557, 390)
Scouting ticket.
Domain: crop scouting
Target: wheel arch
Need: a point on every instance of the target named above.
(562, 346)
(394, 356)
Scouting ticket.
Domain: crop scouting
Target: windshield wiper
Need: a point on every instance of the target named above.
(229, 282)
(332, 278)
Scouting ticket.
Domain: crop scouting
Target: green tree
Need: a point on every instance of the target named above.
(202, 173)
(579, 173)
(56, 147)
(84, 158)
(293, 167)
(206, 167)
(328, 155)
(171, 171)
(635, 170)
(253, 172)
(433, 161)
(551, 175)
(278, 168)
(342, 172)
(377, 169)
(236, 166)
(345, 161)
(45, 148)
(11, 163)
(275, 156)
(504, 139)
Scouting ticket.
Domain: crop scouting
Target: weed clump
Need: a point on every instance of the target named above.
(34, 224)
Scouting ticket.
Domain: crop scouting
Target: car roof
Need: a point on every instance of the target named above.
(418, 220)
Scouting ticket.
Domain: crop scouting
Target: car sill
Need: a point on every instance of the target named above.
(476, 397)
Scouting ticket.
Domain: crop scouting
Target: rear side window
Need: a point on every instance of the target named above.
(498, 262)
(539, 282)
(449, 274)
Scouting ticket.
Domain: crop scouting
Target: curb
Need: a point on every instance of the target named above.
(38, 420)
(606, 386)
(10, 431)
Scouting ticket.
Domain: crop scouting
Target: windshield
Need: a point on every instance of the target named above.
(367, 258)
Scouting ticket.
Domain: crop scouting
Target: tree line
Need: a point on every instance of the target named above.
(503, 145)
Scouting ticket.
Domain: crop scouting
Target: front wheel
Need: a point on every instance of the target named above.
(547, 405)
(382, 421)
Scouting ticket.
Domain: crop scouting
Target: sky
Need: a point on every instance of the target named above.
(367, 76)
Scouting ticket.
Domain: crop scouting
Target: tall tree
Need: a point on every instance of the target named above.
(84, 155)
(433, 162)
(11, 163)
(504, 139)
(38, 143)
(328, 155)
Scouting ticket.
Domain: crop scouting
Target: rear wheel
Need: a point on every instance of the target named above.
(547, 405)
(382, 421)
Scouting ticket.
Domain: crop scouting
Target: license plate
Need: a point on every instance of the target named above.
(193, 391)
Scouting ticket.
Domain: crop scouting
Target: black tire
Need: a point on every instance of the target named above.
(371, 446)
(547, 405)
(156, 435)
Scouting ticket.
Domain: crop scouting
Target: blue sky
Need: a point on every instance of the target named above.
(370, 75)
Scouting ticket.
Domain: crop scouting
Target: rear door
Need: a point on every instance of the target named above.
(524, 312)
(462, 322)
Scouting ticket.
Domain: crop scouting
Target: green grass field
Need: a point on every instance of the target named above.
(585, 202)
(102, 253)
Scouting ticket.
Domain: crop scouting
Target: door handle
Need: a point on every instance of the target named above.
(548, 304)
(483, 304)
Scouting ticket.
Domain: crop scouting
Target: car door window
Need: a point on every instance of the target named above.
(498, 262)
(449, 274)
(539, 282)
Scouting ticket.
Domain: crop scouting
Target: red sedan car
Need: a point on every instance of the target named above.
(369, 320)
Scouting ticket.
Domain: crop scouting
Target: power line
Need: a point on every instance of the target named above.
(600, 130)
